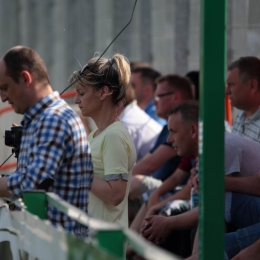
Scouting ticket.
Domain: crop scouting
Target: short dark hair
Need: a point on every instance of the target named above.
(22, 58)
(249, 68)
(139, 64)
(194, 77)
(148, 75)
(189, 110)
(179, 83)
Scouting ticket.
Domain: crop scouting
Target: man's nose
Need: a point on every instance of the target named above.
(169, 139)
(3, 96)
(227, 89)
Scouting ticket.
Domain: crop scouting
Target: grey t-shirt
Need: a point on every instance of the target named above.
(241, 157)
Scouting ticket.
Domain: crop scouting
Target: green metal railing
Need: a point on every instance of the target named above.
(111, 238)
(211, 150)
(211, 136)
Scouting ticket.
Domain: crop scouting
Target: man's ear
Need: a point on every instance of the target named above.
(26, 77)
(254, 85)
(194, 130)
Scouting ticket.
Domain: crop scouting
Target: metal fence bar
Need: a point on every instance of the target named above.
(148, 251)
(111, 238)
(35, 202)
(211, 145)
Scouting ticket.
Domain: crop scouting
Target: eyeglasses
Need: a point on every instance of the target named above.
(163, 95)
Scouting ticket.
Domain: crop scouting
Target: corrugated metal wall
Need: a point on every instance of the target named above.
(164, 33)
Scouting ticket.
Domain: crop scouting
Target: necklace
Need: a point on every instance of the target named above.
(103, 127)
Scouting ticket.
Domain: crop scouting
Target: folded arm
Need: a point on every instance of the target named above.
(153, 161)
(159, 227)
(169, 184)
(249, 185)
(183, 194)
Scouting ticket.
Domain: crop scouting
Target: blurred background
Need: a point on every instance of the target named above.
(165, 34)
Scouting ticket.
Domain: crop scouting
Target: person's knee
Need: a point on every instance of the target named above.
(135, 187)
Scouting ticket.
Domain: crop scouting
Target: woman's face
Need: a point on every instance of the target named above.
(88, 100)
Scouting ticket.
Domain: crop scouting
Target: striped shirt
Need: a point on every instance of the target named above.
(54, 146)
(248, 127)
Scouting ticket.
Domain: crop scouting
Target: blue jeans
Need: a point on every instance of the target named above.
(245, 210)
(242, 238)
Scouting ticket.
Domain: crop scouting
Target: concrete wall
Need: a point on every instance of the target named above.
(165, 33)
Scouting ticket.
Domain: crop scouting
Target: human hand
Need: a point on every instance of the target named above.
(156, 229)
(195, 183)
(153, 210)
(193, 172)
(12, 126)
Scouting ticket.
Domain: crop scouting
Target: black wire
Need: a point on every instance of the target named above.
(104, 50)
(84, 70)
(10, 156)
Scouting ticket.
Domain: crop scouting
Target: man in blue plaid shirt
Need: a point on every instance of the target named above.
(54, 148)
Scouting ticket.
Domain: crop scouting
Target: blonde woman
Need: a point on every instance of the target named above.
(101, 87)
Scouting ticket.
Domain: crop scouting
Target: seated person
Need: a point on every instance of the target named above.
(167, 199)
(162, 160)
(143, 82)
(241, 161)
(243, 244)
(143, 129)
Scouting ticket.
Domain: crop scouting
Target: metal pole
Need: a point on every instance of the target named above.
(211, 141)
(36, 203)
(113, 241)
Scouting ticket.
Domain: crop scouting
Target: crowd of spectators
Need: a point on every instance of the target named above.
(139, 166)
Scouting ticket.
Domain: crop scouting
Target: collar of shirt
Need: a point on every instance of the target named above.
(39, 107)
(248, 120)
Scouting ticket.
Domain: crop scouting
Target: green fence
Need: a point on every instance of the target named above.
(211, 136)
(25, 236)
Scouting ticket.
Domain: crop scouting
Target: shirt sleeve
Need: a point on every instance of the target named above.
(116, 151)
(162, 139)
(47, 148)
(232, 159)
(185, 163)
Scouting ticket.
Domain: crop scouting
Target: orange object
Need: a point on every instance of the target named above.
(8, 166)
(5, 109)
(69, 94)
(228, 110)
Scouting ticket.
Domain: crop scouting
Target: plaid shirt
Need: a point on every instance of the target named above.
(54, 146)
(248, 127)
